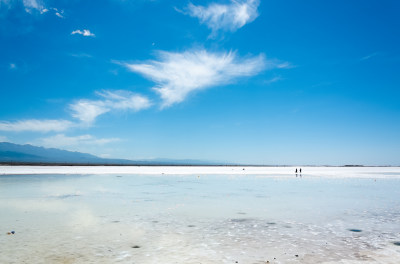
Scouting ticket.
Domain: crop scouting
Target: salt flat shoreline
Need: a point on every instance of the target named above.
(334, 172)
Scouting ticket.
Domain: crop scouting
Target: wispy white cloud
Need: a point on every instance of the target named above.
(35, 125)
(283, 65)
(32, 6)
(273, 80)
(369, 56)
(125, 100)
(58, 13)
(88, 110)
(28, 5)
(52, 10)
(179, 74)
(63, 141)
(84, 32)
(226, 17)
(3, 139)
(84, 110)
(12, 66)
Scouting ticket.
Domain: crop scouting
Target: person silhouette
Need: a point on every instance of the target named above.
(296, 171)
(300, 170)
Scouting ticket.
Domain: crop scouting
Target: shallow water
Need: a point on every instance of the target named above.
(118, 218)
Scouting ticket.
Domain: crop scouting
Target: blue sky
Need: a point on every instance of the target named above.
(260, 82)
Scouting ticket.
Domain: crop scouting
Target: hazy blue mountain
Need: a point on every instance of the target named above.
(14, 153)
(10, 152)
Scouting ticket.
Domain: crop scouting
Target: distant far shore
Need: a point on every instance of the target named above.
(174, 165)
(262, 171)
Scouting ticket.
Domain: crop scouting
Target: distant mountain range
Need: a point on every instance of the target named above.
(19, 154)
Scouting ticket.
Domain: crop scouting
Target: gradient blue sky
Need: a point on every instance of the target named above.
(261, 82)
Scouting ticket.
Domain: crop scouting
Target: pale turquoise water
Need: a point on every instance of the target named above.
(197, 219)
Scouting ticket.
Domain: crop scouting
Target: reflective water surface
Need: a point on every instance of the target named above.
(198, 219)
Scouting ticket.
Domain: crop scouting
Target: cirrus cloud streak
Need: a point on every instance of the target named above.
(226, 17)
(85, 33)
(178, 74)
(88, 110)
(63, 141)
(35, 125)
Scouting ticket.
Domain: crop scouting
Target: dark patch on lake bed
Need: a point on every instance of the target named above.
(239, 220)
(355, 230)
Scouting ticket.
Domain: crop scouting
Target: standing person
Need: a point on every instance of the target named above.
(300, 170)
(296, 171)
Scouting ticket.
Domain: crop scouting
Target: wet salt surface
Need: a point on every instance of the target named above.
(191, 219)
